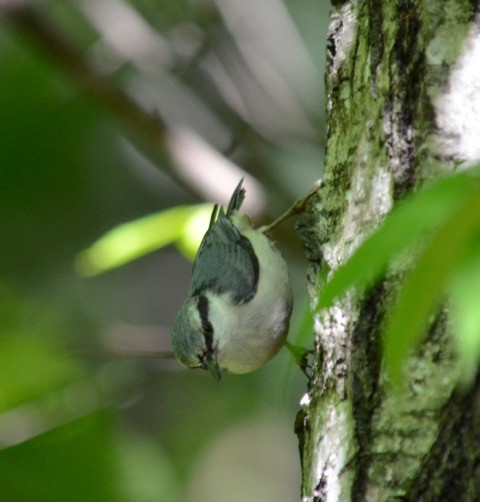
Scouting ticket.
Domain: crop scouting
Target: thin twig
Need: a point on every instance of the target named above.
(297, 208)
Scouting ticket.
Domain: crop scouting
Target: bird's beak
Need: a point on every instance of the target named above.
(212, 365)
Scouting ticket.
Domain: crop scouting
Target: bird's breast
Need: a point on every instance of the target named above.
(253, 332)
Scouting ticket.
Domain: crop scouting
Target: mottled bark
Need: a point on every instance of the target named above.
(403, 104)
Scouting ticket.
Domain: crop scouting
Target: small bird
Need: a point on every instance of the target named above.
(237, 312)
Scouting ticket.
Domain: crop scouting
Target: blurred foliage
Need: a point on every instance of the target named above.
(72, 462)
(84, 415)
(438, 229)
(184, 226)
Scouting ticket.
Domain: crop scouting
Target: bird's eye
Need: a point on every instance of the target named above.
(201, 360)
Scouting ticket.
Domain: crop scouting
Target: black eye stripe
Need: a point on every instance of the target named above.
(207, 328)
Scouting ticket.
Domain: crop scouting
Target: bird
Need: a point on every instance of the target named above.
(239, 301)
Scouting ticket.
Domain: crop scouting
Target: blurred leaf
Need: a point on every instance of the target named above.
(45, 128)
(182, 225)
(465, 294)
(304, 331)
(30, 368)
(302, 336)
(32, 363)
(425, 284)
(74, 462)
(194, 229)
(147, 474)
(410, 220)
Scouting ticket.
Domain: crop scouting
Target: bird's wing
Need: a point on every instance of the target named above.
(225, 262)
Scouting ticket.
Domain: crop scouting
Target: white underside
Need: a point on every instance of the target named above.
(250, 334)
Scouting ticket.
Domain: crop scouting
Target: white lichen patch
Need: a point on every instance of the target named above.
(368, 201)
(380, 194)
(343, 26)
(333, 328)
(305, 401)
(332, 453)
(457, 105)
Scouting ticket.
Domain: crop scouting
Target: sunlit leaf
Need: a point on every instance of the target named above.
(193, 231)
(411, 219)
(465, 295)
(183, 225)
(425, 284)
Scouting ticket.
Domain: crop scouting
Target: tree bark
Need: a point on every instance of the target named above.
(403, 106)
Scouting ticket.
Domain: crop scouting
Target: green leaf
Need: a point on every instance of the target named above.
(30, 368)
(465, 294)
(182, 225)
(411, 219)
(425, 284)
(74, 462)
(194, 228)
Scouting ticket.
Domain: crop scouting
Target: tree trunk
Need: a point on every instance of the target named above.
(403, 105)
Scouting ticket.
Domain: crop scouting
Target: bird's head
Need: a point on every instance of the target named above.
(193, 336)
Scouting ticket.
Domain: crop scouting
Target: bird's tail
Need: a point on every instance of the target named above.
(237, 198)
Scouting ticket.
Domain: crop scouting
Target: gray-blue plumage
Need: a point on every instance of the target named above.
(226, 261)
